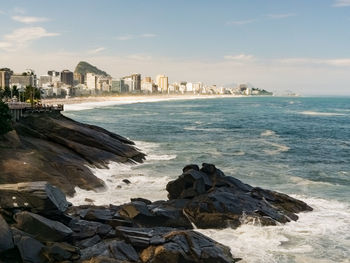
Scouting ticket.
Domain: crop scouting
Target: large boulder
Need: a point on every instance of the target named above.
(157, 214)
(42, 228)
(37, 197)
(58, 252)
(6, 241)
(219, 201)
(171, 245)
(28, 247)
(83, 229)
(116, 249)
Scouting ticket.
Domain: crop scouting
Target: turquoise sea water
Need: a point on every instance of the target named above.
(299, 146)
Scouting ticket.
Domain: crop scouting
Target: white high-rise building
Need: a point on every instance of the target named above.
(91, 81)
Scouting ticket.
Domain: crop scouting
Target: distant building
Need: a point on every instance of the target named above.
(189, 87)
(129, 84)
(23, 79)
(79, 78)
(104, 84)
(44, 79)
(147, 79)
(197, 87)
(5, 76)
(67, 77)
(147, 87)
(118, 86)
(55, 76)
(91, 81)
(137, 82)
(162, 82)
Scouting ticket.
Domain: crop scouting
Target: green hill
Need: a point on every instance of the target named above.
(84, 67)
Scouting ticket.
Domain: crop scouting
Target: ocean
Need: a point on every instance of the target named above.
(298, 146)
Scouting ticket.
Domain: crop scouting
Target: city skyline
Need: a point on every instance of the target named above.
(277, 46)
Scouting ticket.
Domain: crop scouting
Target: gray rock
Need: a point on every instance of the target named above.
(172, 245)
(88, 242)
(37, 197)
(157, 214)
(84, 229)
(42, 228)
(219, 201)
(116, 249)
(6, 241)
(58, 252)
(28, 247)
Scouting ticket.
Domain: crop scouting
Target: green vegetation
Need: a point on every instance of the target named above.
(263, 92)
(5, 118)
(30, 93)
(84, 67)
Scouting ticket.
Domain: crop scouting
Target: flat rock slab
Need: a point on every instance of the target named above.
(37, 197)
(171, 245)
(42, 228)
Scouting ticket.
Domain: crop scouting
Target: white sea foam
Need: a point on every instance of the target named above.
(238, 153)
(318, 236)
(268, 133)
(276, 148)
(315, 113)
(195, 128)
(118, 192)
(128, 100)
(305, 182)
(164, 157)
(325, 230)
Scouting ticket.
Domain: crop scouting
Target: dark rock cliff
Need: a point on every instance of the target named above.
(51, 147)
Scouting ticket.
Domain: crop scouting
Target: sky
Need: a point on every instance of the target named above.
(297, 45)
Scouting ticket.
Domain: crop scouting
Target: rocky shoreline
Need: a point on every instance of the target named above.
(47, 155)
(37, 224)
(51, 147)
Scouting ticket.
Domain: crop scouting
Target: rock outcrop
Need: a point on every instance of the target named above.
(37, 224)
(51, 147)
(96, 234)
(218, 201)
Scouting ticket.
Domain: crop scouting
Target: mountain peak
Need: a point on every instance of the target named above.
(84, 67)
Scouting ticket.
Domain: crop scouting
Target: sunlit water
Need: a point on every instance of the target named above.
(299, 146)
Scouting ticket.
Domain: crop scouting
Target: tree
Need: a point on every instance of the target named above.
(5, 118)
(7, 92)
(15, 91)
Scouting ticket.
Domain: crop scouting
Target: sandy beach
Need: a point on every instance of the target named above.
(82, 103)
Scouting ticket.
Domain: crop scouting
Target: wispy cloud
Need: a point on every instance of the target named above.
(130, 37)
(341, 3)
(97, 50)
(337, 62)
(21, 37)
(240, 57)
(1, 12)
(280, 16)
(241, 22)
(29, 19)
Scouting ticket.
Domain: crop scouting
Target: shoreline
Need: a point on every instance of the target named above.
(82, 103)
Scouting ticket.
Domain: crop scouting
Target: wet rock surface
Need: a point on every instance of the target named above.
(134, 232)
(141, 230)
(218, 201)
(51, 147)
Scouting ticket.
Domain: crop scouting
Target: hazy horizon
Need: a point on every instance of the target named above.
(278, 46)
